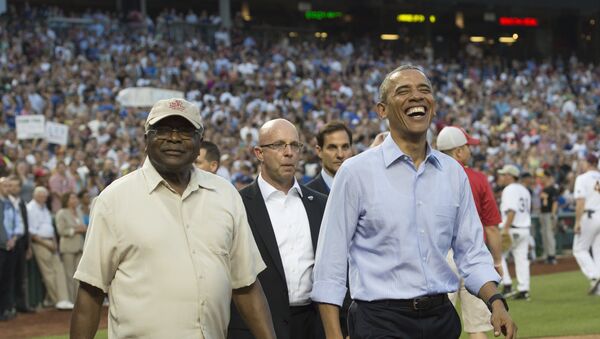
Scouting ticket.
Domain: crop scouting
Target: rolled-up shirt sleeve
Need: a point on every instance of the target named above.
(472, 257)
(337, 229)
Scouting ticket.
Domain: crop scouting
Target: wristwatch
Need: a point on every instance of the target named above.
(494, 298)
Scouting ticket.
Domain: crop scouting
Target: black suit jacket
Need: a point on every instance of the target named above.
(272, 278)
(319, 185)
(23, 242)
(3, 235)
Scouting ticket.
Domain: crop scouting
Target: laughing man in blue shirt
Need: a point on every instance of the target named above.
(393, 213)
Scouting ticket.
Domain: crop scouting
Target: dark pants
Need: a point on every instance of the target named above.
(22, 300)
(344, 314)
(7, 279)
(305, 323)
(387, 319)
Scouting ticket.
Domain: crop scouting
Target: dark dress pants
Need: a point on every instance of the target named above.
(7, 279)
(305, 323)
(390, 320)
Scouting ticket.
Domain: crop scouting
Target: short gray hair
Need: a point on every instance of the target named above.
(385, 84)
(40, 189)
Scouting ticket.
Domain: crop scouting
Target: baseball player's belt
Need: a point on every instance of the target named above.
(590, 213)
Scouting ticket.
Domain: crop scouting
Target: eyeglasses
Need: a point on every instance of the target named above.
(280, 146)
(165, 132)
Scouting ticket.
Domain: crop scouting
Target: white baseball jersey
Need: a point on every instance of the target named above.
(515, 197)
(587, 186)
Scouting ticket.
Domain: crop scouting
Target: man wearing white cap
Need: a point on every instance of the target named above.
(455, 142)
(515, 207)
(170, 244)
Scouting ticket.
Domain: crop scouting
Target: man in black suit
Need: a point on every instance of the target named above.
(285, 218)
(23, 251)
(334, 146)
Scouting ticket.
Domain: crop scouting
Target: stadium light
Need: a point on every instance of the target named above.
(515, 36)
(321, 35)
(293, 34)
(459, 20)
(246, 11)
(390, 37)
(506, 39)
(477, 39)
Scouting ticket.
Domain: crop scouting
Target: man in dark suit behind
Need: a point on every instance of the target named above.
(285, 218)
(22, 248)
(334, 146)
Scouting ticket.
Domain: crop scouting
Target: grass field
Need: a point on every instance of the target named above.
(559, 306)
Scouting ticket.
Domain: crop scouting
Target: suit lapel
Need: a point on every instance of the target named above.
(324, 187)
(259, 217)
(312, 212)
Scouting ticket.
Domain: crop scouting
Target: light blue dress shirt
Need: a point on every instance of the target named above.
(394, 225)
(13, 223)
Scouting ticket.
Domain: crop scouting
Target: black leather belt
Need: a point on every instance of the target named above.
(589, 213)
(512, 226)
(417, 304)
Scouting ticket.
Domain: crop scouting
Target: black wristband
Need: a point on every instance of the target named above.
(494, 298)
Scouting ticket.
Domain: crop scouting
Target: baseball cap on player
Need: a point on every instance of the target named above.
(170, 107)
(511, 170)
(451, 137)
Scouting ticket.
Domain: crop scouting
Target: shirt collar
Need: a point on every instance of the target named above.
(14, 200)
(153, 178)
(267, 189)
(327, 178)
(391, 153)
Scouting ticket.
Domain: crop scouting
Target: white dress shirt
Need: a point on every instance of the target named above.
(327, 178)
(292, 231)
(40, 220)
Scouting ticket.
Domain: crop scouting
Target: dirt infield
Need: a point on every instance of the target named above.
(49, 322)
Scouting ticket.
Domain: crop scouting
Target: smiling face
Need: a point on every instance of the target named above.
(408, 104)
(172, 154)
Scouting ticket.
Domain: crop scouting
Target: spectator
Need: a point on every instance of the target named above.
(71, 229)
(45, 250)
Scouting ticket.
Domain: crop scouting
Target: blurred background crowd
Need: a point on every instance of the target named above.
(540, 114)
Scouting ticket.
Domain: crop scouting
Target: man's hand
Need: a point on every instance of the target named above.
(502, 322)
(50, 245)
(506, 241)
(379, 139)
(10, 244)
(577, 228)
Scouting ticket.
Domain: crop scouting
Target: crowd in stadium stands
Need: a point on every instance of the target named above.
(542, 116)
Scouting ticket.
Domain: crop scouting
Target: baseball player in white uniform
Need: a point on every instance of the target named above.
(515, 208)
(587, 222)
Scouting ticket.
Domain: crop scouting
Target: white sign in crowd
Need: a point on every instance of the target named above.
(36, 127)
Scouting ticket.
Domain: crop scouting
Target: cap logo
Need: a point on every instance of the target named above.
(177, 105)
